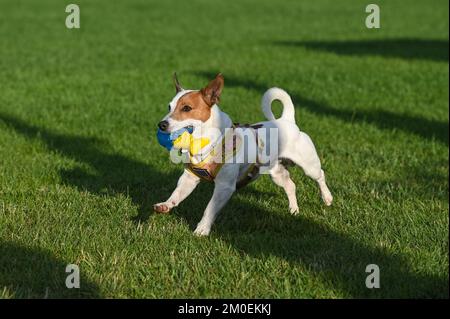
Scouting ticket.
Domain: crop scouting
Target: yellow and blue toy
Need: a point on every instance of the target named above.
(182, 139)
(167, 139)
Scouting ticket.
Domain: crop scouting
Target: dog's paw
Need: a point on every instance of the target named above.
(294, 210)
(327, 199)
(162, 208)
(202, 230)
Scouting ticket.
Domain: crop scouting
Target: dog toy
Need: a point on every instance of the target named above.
(182, 139)
(169, 140)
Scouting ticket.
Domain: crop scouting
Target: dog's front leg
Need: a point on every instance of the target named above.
(225, 185)
(186, 184)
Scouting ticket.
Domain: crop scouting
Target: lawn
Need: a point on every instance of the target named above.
(80, 166)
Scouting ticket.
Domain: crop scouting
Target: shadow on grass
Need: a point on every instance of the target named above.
(429, 129)
(434, 50)
(113, 173)
(27, 272)
(337, 259)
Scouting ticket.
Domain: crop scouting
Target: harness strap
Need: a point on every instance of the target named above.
(208, 169)
(253, 170)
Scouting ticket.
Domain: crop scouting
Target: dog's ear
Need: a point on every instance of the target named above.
(211, 93)
(177, 83)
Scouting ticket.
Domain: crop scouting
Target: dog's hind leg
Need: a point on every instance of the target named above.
(280, 176)
(304, 155)
(324, 190)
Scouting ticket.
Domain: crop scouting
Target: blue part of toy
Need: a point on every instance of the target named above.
(166, 139)
(174, 135)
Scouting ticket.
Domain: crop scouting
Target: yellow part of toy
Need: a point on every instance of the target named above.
(187, 141)
(183, 141)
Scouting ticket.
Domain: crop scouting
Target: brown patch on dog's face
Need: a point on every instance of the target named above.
(197, 105)
(191, 106)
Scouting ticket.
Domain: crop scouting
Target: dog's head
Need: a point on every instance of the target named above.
(191, 107)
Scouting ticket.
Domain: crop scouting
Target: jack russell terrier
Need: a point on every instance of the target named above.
(233, 155)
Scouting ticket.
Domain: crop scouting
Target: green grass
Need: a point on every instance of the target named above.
(80, 166)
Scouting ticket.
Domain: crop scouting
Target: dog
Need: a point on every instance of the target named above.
(199, 111)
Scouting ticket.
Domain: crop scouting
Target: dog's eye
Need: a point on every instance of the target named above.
(169, 107)
(186, 108)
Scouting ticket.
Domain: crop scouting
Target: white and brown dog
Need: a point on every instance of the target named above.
(198, 109)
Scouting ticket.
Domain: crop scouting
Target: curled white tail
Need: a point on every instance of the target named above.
(281, 95)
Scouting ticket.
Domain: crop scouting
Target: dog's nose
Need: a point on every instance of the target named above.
(163, 125)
